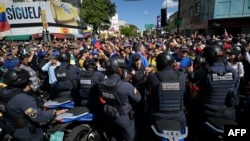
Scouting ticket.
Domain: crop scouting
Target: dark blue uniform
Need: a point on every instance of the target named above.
(217, 83)
(26, 108)
(120, 124)
(87, 79)
(67, 76)
(167, 103)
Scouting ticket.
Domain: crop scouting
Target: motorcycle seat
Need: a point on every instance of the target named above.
(164, 124)
(62, 99)
(78, 110)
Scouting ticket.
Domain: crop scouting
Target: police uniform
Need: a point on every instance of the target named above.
(166, 102)
(29, 116)
(217, 83)
(87, 79)
(67, 76)
(120, 124)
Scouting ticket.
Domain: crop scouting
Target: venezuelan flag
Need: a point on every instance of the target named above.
(4, 25)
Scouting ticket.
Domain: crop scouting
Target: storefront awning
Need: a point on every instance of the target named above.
(69, 36)
(37, 36)
(87, 34)
(79, 35)
(18, 38)
(58, 36)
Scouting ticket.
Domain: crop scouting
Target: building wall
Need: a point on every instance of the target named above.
(234, 15)
(231, 9)
(195, 15)
(211, 16)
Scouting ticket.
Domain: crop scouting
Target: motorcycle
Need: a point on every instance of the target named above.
(169, 130)
(74, 125)
(79, 125)
(59, 103)
(213, 129)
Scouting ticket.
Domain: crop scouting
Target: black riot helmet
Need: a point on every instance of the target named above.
(218, 42)
(237, 50)
(213, 53)
(163, 60)
(89, 63)
(64, 57)
(113, 63)
(16, 77)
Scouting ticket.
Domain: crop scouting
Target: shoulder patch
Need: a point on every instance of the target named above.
(31, 112)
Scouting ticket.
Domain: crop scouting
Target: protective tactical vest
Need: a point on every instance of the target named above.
(170, 95)
(113, 106)
(85, 83)
(220, 91)
(63, 79)
(9, 122)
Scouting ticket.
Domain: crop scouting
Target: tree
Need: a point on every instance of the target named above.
(129, 30)
(97, 12)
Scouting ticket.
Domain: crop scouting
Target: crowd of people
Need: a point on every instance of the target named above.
(129, 82)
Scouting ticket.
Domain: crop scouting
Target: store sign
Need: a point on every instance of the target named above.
(33, 12)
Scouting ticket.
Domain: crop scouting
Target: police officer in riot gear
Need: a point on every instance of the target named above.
(67, 76)
(166, 91)
(88, 78)
(218, 89)
(116, 96)
(22, 109)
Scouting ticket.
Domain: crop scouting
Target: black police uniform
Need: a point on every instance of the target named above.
(25, 109)
(87, 79)
(217, 83)
(67, 76)
(117, 110)
(166, 102)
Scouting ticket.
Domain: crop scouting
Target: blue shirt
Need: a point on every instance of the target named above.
(185, 62)
(11, 63)
(51, 71)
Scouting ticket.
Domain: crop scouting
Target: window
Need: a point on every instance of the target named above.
(197, 7)
(191, 11)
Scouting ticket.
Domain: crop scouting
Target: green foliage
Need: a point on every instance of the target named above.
(129, 30)
(96, 12)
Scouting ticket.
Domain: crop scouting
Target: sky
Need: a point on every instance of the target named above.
(143, 12)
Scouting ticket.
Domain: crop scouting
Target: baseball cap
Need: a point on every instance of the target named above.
(136, 57)
(51, 57)
(198, 50)
(126, 45)
(183, 48)
(8, 53)
(95, 52)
